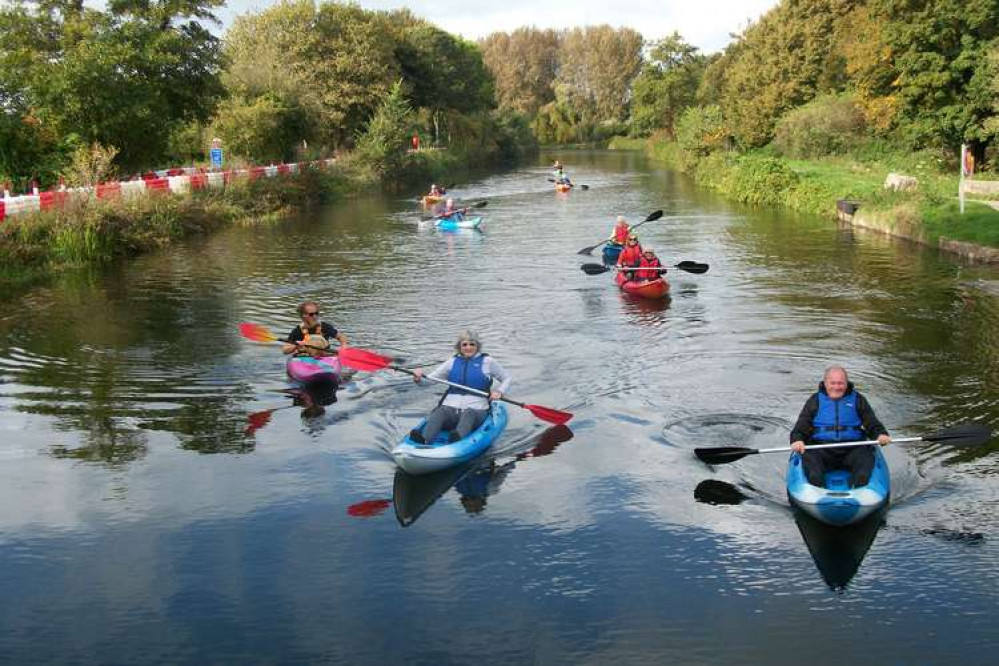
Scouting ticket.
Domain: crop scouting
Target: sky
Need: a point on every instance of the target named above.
(706, 24)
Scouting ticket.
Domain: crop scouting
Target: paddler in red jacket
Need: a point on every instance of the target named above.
(631, 256)
(649, 267)
(619, 234)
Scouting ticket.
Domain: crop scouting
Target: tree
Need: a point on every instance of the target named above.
(444, 72)
(666, 86)
(121, 78)
(384, 143)
(938, 68)
(787, 58)
(596, 68)
(524, 65)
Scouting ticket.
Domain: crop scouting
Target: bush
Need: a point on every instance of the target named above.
(828, 125)
(700, 131)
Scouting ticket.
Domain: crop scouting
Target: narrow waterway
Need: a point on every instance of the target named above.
(153, 509)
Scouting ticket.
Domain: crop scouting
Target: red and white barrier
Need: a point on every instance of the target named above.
(181, 180)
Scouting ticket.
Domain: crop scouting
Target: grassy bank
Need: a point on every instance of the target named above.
(94, 232)
(762, 178)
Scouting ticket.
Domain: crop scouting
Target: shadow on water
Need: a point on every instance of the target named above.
(715, 492)
(474, 482)
(838, 551)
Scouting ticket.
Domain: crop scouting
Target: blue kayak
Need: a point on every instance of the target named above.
(458, 221)
(837, 503)
(610, 253)
(440, 454)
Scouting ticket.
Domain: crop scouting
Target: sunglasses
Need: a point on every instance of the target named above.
(311, 314)
(468, 344)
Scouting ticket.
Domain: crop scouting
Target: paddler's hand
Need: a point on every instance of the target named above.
(417, 375)
(884, 440)
(798, 447)
(495, 395)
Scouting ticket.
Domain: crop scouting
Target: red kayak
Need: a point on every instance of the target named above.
(658, 288)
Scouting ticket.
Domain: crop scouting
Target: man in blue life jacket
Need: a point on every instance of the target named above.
(837, 413)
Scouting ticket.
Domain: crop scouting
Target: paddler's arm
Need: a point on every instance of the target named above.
(440, 372)
(873, 427)
(803, 427)
(496, 371)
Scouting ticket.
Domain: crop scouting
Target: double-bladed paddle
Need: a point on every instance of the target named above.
(966, 434)
(689, 266)
(369, 361)
(653, 216)
(477, 204)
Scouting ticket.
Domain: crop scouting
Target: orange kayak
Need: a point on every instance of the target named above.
(658, 288)
(430, 200)
(562, 187)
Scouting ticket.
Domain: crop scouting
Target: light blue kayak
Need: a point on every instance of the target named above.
(837, 503)
(456, 222)
(440, 454)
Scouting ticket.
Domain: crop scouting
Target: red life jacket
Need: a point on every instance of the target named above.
(648, 274)
(630, 255)
(620, 234)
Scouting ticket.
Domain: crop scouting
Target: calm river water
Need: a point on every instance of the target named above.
(146, 518)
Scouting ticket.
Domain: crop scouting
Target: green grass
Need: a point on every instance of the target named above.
(626, 143)
(978, 225)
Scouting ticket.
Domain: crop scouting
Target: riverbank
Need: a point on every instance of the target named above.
(64, 230)
(928, 214)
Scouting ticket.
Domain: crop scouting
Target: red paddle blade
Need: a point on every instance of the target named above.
(257, 421)
(359, 359)
(256, 332)
(368, 508)
(548, 414)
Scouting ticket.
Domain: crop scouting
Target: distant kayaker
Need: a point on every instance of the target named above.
(436, 191)
(556, 167)
(450, 210)
(631, 255)
(620, 232)
(837, 413)
(561, 178)
(312, 336)
(460, 411)
(649, 267)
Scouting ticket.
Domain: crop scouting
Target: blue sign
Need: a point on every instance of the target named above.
(216, 158)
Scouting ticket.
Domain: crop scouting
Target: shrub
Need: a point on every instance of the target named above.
(828, 125)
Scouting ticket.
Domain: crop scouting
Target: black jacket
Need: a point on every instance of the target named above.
(803, 428)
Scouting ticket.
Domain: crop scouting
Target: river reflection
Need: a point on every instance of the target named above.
(474, 482)
(140, 522)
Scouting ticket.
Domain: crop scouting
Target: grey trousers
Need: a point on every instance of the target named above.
(461, 421)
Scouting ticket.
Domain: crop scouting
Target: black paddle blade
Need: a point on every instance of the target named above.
(588, 250)
(654, 216)
(720, 455)
(594, 269)
(966, 434)
(692, 267)
(584, 187)
(480, 204)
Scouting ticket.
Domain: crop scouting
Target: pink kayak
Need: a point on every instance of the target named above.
(306, 369)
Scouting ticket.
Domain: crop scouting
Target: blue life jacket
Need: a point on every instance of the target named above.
(837, 420)
(468, 372)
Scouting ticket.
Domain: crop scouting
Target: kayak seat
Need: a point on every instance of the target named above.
(838, 479)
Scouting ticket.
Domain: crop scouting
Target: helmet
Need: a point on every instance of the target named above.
(620, 219)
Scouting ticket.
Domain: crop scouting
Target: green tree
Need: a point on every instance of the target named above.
(791, 55)
(444, 73)
(383, 145)
(666, 86)
(940, 68)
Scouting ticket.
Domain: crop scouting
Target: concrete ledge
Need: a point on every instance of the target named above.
(903, 222)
